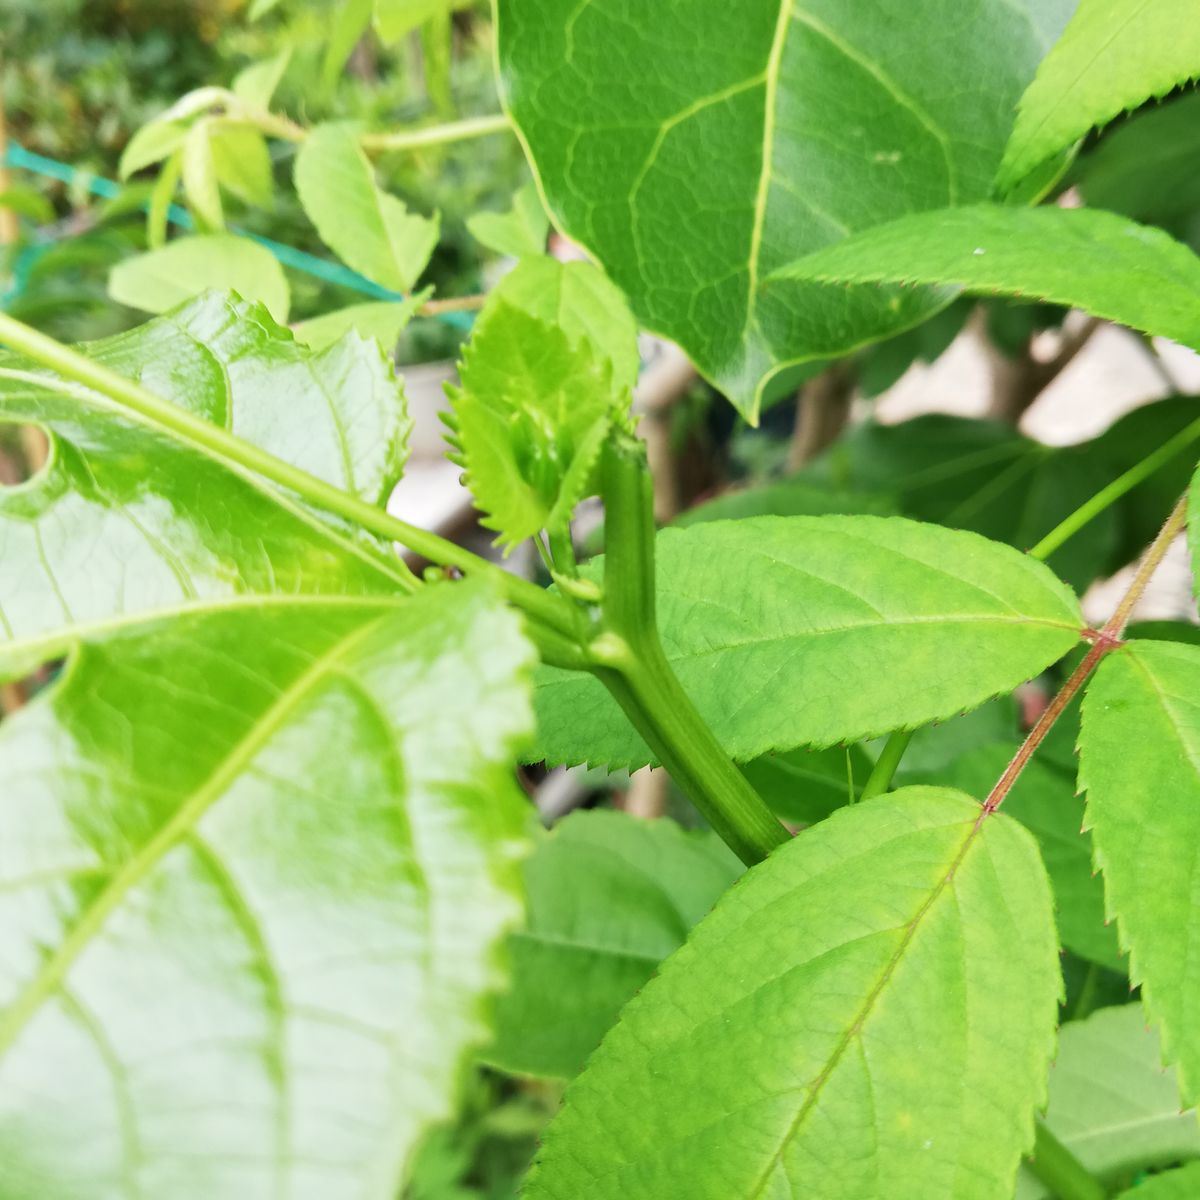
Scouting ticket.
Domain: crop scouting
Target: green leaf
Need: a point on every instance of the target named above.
(1043, 799)
(609, 898)
(520, 232)
(150, 144)
(805, 786)
(807, 631)
(255, 85)
(694, 148)
(27, 202)
(1114, 55)
(1180, 1184)
(529, 420)
(351, 20)
(371, 231)
(200, 184)
(242, 161)
(236, 925)
(184, 268)
(395, 18)
(777, 1048)
(1139, 756)
(1146, 167)
(383, 321)
(983, 476)
(1111, 1102)
(1096, 261)
(127, 520)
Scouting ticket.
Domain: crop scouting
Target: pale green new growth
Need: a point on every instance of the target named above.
(520, 232)
(284, 895)
(368, 229)
(1097, 261)
(870, 1012)
(609, 898)
(783, 631)
(1113, 56)
(1140, 763)
(1111, 1102)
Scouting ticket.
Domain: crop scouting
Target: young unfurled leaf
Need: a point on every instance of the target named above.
(791, 631)
(152, 143)
(127, 519)
(694, 148)
(520, 232)
(184, 268)
(1140, 763)
(609, 898)
(259, 864)
(255, 85)
(1096, 261)
(1114, 55)
(384, 321)
(789, 1048)
(200, 177)
(1111, 1102)
(371, 231)
(242, 161)
(530, 419)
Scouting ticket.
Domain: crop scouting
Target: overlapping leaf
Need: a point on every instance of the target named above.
(791, 631)
(1113, 55)
(787, 1047)
(694, 148)
(1096, 261)
(609, 898)
(127, 519)
(257, 866)
(1140, 763)
(1180, 1184)
(1111, 1102)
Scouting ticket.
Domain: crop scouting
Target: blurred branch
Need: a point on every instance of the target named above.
(822, 409)
(1018, 381)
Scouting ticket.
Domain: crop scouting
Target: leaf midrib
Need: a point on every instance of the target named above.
(56, 967)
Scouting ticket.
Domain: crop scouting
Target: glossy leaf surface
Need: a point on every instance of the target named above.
(609, 898)
(694, 148)
(782, 630)
(1111, 1102)
(1139, 756)
(788, 1042)
(258, 865)
(1096, 261)
(1113, 55)
(127, 519)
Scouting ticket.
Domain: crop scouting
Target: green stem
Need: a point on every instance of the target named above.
(629, 659)
(436, 135)
(549, 610)
(1115, 490)
(1059, 1169)
(880, 779)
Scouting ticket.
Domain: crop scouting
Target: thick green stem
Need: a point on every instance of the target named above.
(1109, 495)
(551, 611)
(884, 771)
(629, 659)
(1059, 1169)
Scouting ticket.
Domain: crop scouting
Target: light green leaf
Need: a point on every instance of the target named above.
(242, 161)
(529, 420)
(368, 229)
(127, 521)
(1043, 799)
(27, 202)
(1111, 1102)
(520, 232)
(351, 20)
(395, 18)
(694, 148)
(260, 8)
(383, 321)
(150, 144)
(160, 279)
(609, 898)
(1114, 55)
(255, 85)
(778, 1047)
(1180, 1184)
(200, 184)
(237, 925)
(162, 196)
(1096, 261)
(808, 631)
(1139, 756)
